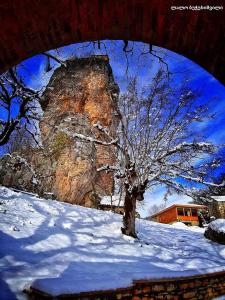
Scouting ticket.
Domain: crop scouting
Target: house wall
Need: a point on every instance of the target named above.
(171, 215)
(168, 216)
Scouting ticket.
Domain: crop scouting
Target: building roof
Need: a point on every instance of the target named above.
(177, 205)
(219, 198)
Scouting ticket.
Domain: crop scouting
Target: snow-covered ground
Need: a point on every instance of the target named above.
(63, 248)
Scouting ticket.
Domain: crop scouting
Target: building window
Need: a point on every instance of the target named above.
(194, 212)
(180, 211)
(187, 212)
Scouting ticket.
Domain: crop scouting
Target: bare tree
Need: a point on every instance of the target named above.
(155, 143)
(155, 208)
(18, 105)
(20, 142)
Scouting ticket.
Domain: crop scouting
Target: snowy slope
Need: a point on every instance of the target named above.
(63, 248)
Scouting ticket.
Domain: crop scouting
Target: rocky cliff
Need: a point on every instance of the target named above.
(78, 96)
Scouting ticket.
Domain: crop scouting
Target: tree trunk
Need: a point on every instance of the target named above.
(129, 215)
(136, 193)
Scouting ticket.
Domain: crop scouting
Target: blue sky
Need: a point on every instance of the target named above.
(144, 66)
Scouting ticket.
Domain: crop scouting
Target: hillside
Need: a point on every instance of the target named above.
(64, 248)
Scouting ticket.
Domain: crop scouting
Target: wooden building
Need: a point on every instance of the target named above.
(185, 213)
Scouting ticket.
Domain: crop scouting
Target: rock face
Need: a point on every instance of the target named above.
(77, 97)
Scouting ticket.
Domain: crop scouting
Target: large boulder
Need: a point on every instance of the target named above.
(216, 231)
(16, 172)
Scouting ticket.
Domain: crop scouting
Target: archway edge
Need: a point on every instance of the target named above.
(31, 27)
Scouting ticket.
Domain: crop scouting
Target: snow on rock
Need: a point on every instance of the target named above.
(63, 248)
(218, 225)
(216, 231)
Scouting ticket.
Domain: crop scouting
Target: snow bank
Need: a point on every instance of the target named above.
(179, 225)
(64, 248)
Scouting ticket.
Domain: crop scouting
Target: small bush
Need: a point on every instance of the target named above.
(61, 141)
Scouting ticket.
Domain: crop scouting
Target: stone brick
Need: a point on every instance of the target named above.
(197, 293)
(138, 291)
(189, 295)
(168, 297)
(170, 287)
(184, 285)
(146, 289)
(158, 288)
(191, 284)
(197, 283)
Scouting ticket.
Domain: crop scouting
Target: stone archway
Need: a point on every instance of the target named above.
(30, 27)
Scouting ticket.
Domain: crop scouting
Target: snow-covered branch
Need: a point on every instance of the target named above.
(108, 168)
(200, 180)
(12, 88)
(94, 140)
(185, 146)
(157, 133)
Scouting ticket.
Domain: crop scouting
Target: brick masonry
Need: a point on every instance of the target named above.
(206, 287)
(31, 27)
